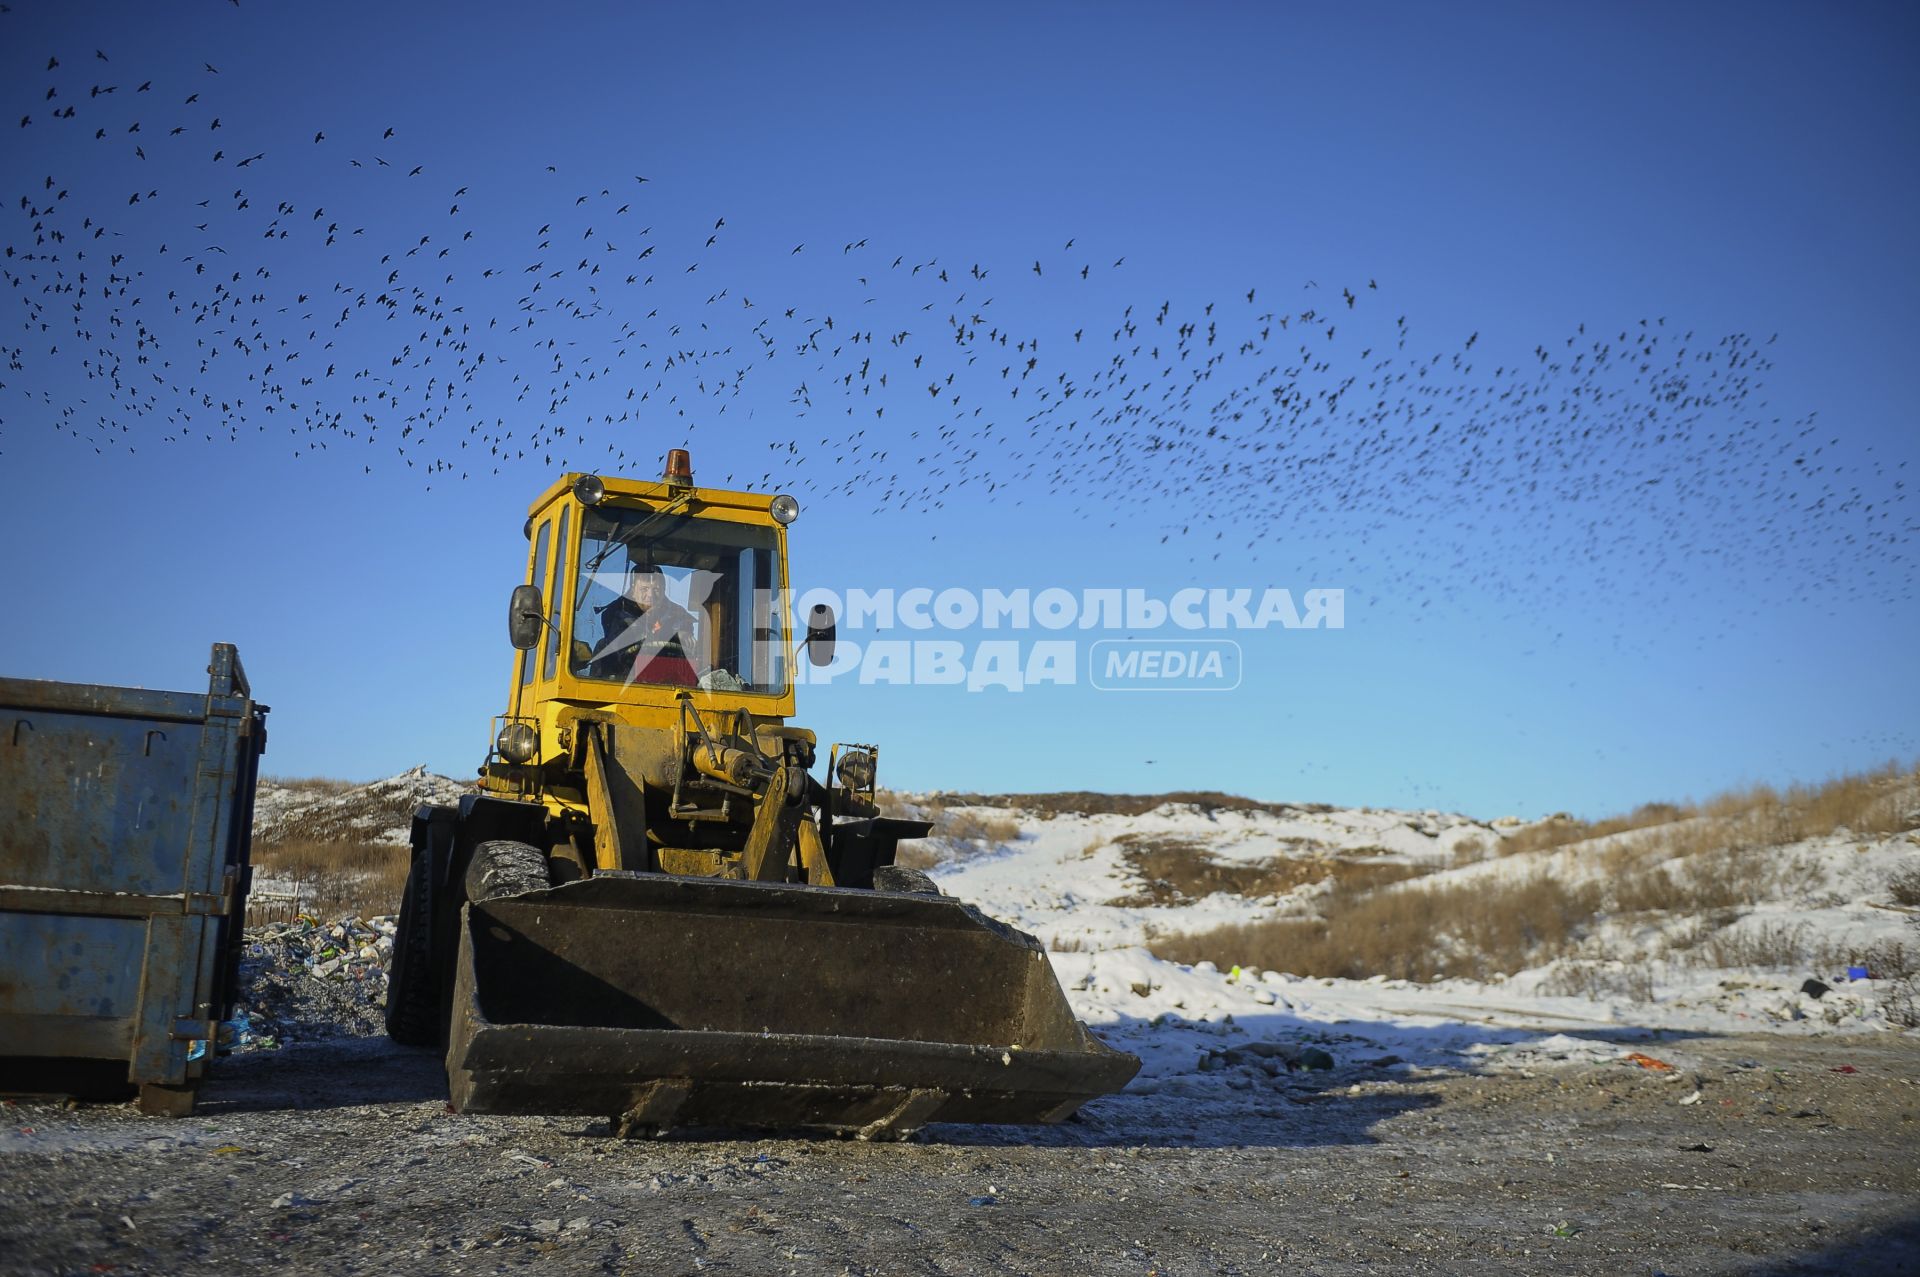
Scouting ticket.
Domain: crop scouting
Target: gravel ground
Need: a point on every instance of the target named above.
(339, 1156)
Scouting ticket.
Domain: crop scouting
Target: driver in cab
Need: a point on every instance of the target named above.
(646, 637)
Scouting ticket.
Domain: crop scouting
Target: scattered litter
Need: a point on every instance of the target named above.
(305, 981)
(1691, 1099)
(1844, 1068)
(1648, 1062)
(1273, 1058)
(516, 1155)
(1814, 989)
(983, 1200)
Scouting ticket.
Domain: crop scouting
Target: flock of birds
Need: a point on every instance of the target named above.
(209, 306)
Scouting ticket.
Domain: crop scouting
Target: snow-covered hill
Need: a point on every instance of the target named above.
(1698, 924)
(379, 811)
(1806, 910)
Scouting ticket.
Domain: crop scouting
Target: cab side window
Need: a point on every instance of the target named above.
(553, 592)
(530, 659)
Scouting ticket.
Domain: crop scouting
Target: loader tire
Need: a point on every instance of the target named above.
(413, 986)
(505, 868)
(900, 878)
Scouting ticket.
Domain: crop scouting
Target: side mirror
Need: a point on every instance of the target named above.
(820, 635)
(525, 616)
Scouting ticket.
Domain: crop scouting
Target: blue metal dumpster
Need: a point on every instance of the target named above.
(125, 823)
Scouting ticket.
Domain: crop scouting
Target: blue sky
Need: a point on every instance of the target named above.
(1655, 620)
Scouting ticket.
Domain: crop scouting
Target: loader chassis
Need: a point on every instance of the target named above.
(651, 909)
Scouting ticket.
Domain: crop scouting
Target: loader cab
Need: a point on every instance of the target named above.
(653, 591)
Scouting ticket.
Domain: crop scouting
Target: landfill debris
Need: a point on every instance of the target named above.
(1691, 1099)
(1648, 1062)
(1815, 990)
(983, 1200)
(1272, 1057)
(308, 980)
(1844, 1068)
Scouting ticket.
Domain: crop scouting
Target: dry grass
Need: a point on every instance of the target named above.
(1866, 804)
(1601, 981)
(1470, 850)
(1560, 829)
(973, 827)
(311, 784)
(333, 878)
(1415, 932)
(1082, 802)
(958, 834)
(1177, 870)
(1707, 881)
(1788, 946)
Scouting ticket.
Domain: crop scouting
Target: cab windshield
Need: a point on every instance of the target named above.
(677, 600)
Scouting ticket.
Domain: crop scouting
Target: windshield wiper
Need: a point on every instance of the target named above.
(629, 541)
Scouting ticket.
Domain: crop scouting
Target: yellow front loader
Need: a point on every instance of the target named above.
(651, 910)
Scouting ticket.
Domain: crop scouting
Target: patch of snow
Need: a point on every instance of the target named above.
(1193, 1026)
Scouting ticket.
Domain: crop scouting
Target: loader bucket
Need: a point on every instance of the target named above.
(663, 1001)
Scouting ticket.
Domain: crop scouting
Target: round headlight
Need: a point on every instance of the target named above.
(518, 742)
(856, 769)
(589, 490)
(784, 509)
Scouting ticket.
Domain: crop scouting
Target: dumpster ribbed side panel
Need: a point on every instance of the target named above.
(125, 821)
